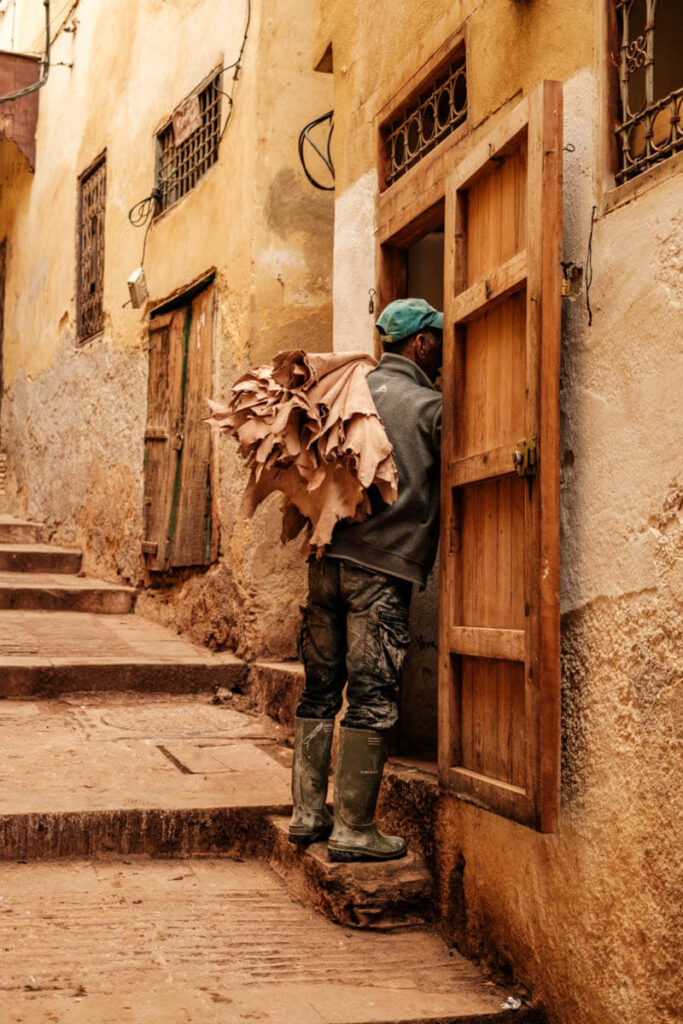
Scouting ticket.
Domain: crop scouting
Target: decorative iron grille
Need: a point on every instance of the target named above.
(180, 166)
(436, 112)
(651, 85)
(91, 208)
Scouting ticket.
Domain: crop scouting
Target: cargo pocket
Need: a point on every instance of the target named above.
(394, 640)
(302, 631)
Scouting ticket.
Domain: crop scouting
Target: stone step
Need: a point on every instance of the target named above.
(387, 895)
(125, 774)
(20, 531)
(214, 941)
(275, 688)
(39, 558)
(44, 654)
(57, 592)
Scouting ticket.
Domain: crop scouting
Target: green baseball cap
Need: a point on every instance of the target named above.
(405, 317)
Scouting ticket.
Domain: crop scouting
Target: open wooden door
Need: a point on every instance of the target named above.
(499, 685)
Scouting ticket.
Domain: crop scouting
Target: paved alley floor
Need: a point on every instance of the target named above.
(53, 652)
(208, 941)
(119, 751)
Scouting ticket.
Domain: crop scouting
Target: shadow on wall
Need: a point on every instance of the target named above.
(417, 730)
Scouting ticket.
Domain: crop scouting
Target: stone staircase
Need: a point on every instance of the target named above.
(40, 577)
(124, 769)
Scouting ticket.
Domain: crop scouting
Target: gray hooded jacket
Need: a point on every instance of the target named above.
(401, 539)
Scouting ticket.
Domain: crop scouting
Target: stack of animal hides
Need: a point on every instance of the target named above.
(307, 426)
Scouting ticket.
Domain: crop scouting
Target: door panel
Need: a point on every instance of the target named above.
(499, 689)
(163, 433)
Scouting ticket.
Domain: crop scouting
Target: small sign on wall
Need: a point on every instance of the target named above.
(186, 120)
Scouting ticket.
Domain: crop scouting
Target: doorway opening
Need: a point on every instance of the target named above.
(413, 265)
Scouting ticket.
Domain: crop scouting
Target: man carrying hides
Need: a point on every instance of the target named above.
(355, 626)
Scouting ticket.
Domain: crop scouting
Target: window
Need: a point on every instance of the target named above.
(651, 83)
(92, 187)
(188, 145)
(437, 110)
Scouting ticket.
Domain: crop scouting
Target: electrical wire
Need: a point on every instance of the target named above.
(229, 67)
(589, 269)
(326, 157)
(142, 215)
(58, 20)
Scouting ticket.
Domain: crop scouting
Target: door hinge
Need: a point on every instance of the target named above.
(525, 457)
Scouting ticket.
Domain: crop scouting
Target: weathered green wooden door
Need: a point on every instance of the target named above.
(178, 526)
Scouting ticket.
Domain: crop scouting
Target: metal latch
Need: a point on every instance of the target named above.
(572, 280)
(525, 457)
(177, 443)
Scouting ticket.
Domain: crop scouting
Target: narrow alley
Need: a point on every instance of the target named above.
(341, 511)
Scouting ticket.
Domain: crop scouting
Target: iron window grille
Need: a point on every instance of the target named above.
(437, 111)
(179, 167)
(651, 90)
(91, 210)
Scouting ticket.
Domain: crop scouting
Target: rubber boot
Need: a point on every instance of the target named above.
(311, 821)
(360, 762)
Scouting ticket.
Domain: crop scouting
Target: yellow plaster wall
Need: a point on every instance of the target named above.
(377, 47)
(252, 216)
(585, 918)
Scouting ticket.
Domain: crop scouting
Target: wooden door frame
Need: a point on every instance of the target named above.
(392, 261)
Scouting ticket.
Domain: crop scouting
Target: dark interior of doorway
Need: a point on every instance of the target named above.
(421, 274)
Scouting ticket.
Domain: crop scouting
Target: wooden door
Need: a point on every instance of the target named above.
(177, 500)
(499, 687)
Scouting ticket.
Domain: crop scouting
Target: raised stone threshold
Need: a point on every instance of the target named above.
(367, 895)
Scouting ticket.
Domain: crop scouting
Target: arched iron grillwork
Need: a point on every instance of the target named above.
(438, 110)
(651, 84)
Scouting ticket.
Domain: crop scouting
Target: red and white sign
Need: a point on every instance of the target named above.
(186, 120)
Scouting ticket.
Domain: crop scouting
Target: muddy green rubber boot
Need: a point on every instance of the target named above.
(360, 762)
(311, 821)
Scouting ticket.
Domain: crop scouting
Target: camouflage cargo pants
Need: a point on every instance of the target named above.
(355, 630)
